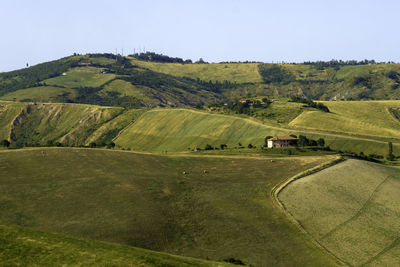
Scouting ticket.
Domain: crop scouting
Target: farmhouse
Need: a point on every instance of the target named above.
(282, 141)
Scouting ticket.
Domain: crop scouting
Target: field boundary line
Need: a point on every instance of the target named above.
(279, 187)
(394, 244)
(360, 211)
(129, 125)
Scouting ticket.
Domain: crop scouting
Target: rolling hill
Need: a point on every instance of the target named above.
(179, 130)
(351, 209)
(362, 118)
(214, 207)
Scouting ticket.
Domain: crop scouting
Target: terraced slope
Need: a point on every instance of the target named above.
(219, 208)
(356, 117)
(20, 246)
(352, 209)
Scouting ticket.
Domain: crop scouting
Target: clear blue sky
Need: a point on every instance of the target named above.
(216, 30)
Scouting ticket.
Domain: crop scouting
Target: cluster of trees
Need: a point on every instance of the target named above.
(151, 56)
(210, 147)
(243, 106)
(108, 145)
(304, 141)
(338, 63)
(309, 103)
(273, 73)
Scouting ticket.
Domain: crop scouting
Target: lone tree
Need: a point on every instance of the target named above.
(390, 152)
(321, 142)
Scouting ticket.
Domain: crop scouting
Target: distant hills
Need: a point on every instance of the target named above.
(151, 80)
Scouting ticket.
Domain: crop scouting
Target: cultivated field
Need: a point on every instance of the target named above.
(237, 72)
(81, 77)
(364, 118)
(40, 94)
(352, 209)
(204, 207)
(180, 129)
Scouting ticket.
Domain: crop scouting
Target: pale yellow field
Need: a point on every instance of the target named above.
(366, 118)
(352, 209)
(237, 72)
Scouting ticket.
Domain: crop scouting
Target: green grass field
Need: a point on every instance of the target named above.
(81, 77)
(352, 209)
(237, 72)
(356, 117)
(40, 94)
(21, 246)
(219, 209)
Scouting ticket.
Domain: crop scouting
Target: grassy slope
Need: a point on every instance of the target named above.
(352, 209)
(126, 88)
(147, 201)
(20, 246)
(81, 77)
(180, 129)
(40, 93)
(356, 117)
(237, 72)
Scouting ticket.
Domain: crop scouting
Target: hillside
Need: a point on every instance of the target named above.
(21, 246)
(46, 124)
(319, 80)
(351, 209)
(181, 129)
(103, 79)
(107, 79)
(219, 208)
(363, 118)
